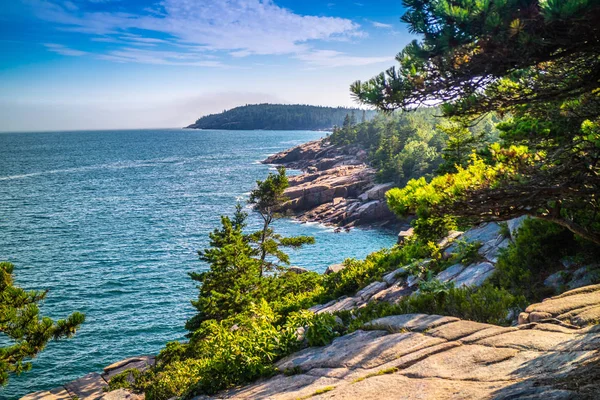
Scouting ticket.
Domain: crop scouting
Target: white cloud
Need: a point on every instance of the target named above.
(70, 6)
(249, 26)
(381, 25)
(158, 57)
(190, 28)
(64, 50)
(331, 59)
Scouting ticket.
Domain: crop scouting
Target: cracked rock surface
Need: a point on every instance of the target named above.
(419, 356)
(337, 187)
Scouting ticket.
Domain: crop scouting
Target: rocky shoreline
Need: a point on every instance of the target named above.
(555, 339)
(337, 187)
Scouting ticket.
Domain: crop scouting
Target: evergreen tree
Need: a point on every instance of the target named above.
(461, 143)
(238, 261)
(229, 286)
(23, 332)
(267, 199)
(534, 60)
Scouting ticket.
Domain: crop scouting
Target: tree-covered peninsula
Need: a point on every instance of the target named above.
(280, 117)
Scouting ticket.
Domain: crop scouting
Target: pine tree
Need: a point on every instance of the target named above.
(23, 332)
(267, 199)
(534, 60)
(228, 287)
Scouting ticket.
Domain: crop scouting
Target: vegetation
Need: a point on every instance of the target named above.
(23, 332)
(486, 304)
(535, 60)
(238, 260)
(403, 146)
(280, 117)
(536, 253)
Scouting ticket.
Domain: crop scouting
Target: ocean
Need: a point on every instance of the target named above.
(110, 223)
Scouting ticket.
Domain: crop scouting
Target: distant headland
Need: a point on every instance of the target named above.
(280, 117)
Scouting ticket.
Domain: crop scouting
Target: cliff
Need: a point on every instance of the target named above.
(337, 187)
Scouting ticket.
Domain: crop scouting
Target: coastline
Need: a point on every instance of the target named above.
(336, 188)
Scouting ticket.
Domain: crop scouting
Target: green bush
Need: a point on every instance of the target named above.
(222, 354)
(124, 380)
(486, 304)
(534, 254)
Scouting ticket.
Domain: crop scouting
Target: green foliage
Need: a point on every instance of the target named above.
(466, 253)
(222, 354)
(23, 332)
(487, 304)
(517, 58)
(124, 380)
(434, 286)
(228, 287)
(355, 275)
(535, 254)
(403, 146)
(359, 273)
(266, 200)
(279, 117)
(319, 329)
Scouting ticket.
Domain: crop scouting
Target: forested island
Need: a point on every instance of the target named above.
(281, 117)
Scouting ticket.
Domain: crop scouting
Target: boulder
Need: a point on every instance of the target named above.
(334, 268)
(452, 236)
(141, 363)
(556, 280)
(409, 322)
(579, 307)
(122, 394)
(375, 287)
(474, 275)
(394, 275)
(55, 394)
(403, 235)
(377, 192)
(297, 270)
(450, 273)
(583, 276)
(515, 224)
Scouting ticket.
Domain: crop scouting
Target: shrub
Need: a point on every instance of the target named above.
(535, 253)
(487, 304)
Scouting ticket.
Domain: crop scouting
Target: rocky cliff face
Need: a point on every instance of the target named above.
(337, 187)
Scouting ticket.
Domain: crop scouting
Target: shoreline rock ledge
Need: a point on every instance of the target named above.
(337, 186)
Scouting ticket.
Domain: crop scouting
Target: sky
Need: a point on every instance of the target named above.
(121, 64)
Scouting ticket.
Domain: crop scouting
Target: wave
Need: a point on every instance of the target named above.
(111, 166)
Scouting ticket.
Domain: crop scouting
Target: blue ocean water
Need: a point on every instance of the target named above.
(110, 222)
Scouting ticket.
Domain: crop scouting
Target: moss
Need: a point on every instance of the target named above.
(323, 390)
(386, 371)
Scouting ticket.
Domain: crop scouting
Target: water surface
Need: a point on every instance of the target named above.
(110, 222)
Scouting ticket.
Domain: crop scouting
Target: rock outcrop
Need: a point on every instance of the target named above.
(93, 385)
(400, 283)
(579, 307)
(418, 356)
(337, 187)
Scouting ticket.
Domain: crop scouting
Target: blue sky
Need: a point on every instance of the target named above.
(105, 64)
